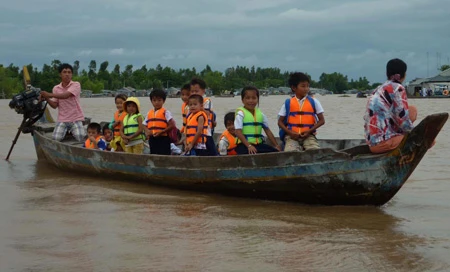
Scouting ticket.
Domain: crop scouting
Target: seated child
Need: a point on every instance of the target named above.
(196, 127)
(158, 124)
(108, 135)
(132, 128)
(95, 139)
(249, 123)
(227, 141)
(300, 116)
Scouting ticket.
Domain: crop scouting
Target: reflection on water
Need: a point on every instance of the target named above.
(54, 220)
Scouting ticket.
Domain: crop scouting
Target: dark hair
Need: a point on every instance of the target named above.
(158, 93)
(249, 88)
(198, 97)
(95, 126)
(228, 117)
(198, 81)
(296, 78)
(106, 127)
(121, 96)
(186, 86)
(394, 67)
(65, 66)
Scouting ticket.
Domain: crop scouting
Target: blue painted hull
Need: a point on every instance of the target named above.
(324, 176)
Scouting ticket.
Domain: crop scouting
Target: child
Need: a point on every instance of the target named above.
(108, 135)
(300, 116)
(132, 127)
(185, 93)
(249, 123)
(388, 115)
(158, 123)
(227, 142)
(116, 124)
(196, 127)
(95, 139)
(198, 86)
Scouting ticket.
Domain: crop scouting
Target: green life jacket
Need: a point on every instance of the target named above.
(252, 125)
(131, 125)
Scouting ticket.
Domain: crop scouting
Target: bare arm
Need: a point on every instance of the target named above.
(272, 138)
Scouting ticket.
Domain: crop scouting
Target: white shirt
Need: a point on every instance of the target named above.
(239, 120)
(223, 146)
(319, 108)
(168, 116)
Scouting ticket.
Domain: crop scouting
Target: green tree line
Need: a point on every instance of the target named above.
(100, 77)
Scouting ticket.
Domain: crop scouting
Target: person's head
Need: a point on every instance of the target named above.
(107, 133)
(250, 97)
(198, 86)
(299, 84)
(396, 70)
(94, 130)
(119, 99)
(65, 72)
(228, 121)
(157, 97)
(132, 105)
(185, 92)
(195, 103)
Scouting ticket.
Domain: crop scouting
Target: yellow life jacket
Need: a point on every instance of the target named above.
(252, 125)
(131, 126)
(118, 116)
(184, 112)
(231, 150)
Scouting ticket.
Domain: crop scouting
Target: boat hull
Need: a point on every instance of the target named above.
(322, 176)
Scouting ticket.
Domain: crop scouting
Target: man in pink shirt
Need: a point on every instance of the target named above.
(66, 97)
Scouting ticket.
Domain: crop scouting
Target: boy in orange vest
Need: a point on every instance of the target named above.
(158, 123)
(300, 116)
(227, 142)
(95, 140)
(198, 86)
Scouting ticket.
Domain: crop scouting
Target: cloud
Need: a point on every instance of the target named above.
(354, 37)
(116, 51)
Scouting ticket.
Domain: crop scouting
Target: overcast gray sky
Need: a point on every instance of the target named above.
(353, 37)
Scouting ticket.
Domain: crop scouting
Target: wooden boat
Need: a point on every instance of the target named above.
(342, 172)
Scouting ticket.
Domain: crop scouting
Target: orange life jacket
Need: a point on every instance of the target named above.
(184, 112)
(301, 117)
(191, 127)
(157, 122)
(89, 144)
(209, 112)
(231, 150)
(118, 117)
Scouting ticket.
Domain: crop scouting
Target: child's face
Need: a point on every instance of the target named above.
(195, 89)
(107, 133)
(92, 133)
(194, 106)
(185, 95)
(157, 102)
(230, 128)
(301, 90)
(119, 104)
(250, 99)
(131, 108)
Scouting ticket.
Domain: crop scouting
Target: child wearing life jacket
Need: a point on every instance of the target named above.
(95, 140)
(300, 116)
(249, 123)
(116, 124)
(198, 86)
(132, 127)
(158, 123)
(196, 127)
(108, 135)
(227, 141)
(185, 93)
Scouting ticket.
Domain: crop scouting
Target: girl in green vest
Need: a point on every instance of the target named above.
(132, 127)
(249, 123)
